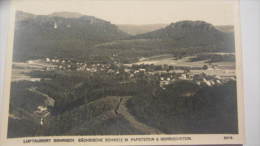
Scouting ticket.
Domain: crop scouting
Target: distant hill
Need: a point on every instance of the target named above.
(67, 14)
(226, 28)
(140, 29)
(184, 38)
(73, 35)
(21, 16)
(145, 28)
(192, 34)
(60, 34)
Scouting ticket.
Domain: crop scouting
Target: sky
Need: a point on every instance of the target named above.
(217, 12)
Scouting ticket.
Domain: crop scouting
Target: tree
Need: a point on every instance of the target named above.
(205, 67)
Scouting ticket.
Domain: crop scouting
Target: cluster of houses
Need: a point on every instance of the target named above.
(166, 74)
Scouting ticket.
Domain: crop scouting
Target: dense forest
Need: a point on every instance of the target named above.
(180, 107)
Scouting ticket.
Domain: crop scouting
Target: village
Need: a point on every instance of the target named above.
(165, 74)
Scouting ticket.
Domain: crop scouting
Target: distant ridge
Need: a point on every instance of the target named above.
(140, 29)
(225, 28)
(192, 33)
(145, 28)
(182, 28)
(61, 34)
(67, 14)
(21, 16)
(73, 35)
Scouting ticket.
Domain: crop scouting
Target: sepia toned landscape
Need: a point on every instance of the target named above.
(75, 74)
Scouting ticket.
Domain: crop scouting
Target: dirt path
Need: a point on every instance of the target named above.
(123, 110)
(48, 101)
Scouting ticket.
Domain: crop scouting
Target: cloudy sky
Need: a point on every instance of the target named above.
(216, 12)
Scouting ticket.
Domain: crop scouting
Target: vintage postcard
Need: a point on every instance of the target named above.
(123, 72)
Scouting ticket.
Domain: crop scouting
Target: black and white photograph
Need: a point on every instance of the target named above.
(110, 68)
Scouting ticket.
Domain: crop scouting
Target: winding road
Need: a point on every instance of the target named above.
(123, 110)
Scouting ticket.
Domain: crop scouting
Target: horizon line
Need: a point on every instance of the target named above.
(135, 24)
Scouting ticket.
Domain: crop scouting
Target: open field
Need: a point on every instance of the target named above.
(222, 69)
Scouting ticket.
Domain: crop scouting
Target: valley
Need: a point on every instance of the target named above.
(74, 74)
